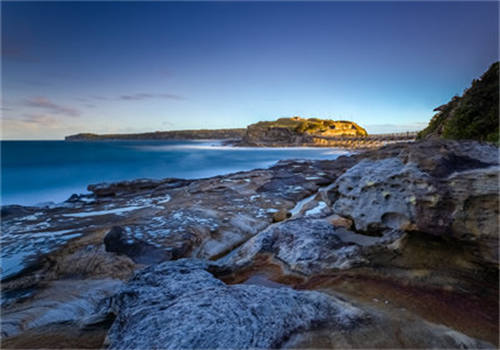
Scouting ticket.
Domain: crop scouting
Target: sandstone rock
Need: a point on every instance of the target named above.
(411, 191)
(439, 157)
(306, 246)
(281, 215)
(91, 261)
(380, 195)
(387, 331)
(179, 305)
(61, 301)
(340, 221)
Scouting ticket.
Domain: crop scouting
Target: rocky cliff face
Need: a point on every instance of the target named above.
(395, 247)
(474, 115)
(298, 131)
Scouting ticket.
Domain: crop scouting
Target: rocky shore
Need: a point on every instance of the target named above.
(395, 247)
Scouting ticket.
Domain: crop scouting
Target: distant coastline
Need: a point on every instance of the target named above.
(283, 132)
(222, 134)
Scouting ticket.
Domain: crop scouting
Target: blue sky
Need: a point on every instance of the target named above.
(71, 67)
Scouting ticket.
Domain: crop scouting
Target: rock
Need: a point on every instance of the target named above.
(281, 215)
(15, 210)
(117, 241)
(380, 195)
(92, 262)
(113, 189)
(182, 305)
(61, 301)
(73, 198)
(179, 305)
(340, 221)
(411, 191)
(306, 246)
(387, 331)
(439, 157)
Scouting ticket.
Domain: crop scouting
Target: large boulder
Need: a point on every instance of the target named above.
(306, 246)
(380, 195)
(180, 305)
(442, 188)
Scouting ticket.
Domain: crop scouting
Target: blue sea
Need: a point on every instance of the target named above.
(38, 172)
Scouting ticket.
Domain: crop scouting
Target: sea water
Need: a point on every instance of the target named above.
(37, 172)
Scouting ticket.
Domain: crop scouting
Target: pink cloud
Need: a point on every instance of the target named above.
(42, 102)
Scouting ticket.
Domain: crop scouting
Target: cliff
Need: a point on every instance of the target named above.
(474, 115)
(201, 134)
(298, 131)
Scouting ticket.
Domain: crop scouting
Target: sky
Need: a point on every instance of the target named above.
(122, 67)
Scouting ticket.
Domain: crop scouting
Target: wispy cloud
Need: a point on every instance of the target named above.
(44, 103)
(100, 98)
(136, 97)
(32, 121)
(144, 96)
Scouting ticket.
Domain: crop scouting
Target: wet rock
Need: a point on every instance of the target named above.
(113, 189)
(387, 331)
(60, 301)
(117, 241)
(179, 305)
(15, 210)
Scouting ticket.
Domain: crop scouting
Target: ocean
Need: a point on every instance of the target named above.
(39, 172)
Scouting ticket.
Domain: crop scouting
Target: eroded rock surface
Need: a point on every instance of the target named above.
(180, 305)
(59, 302)
(306, 246)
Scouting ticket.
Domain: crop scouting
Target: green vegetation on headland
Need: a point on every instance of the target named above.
(324, 127)
(163, 135)
(473, 116)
